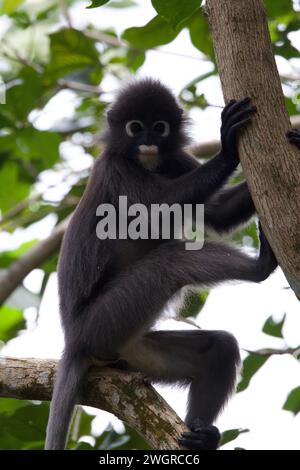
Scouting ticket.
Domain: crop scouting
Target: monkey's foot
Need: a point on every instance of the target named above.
(200, 437)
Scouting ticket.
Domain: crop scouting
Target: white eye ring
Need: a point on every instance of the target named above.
(166, 125)
(129, 130)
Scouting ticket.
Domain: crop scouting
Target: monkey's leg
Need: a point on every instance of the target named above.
(207, 360)
(130, 303)
(229, 208)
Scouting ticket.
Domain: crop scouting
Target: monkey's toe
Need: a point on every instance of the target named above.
(201, 437)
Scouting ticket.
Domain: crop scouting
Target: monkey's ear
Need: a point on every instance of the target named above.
(112, 117)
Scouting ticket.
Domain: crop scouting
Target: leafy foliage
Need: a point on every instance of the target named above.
(293, 401)
(251, 365)
(176, 11)
(155, 33)
(273, 328)
(11, 321)
(231, 435)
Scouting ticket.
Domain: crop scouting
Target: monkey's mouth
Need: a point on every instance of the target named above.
(149, 156)
(148, 150)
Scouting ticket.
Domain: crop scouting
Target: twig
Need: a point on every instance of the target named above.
(62, 83)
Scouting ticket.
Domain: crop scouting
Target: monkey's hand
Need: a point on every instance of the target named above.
(200, 437)
(294, 137)
(235, 116)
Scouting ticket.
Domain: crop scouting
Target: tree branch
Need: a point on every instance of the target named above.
(271, 165)
(125, 395)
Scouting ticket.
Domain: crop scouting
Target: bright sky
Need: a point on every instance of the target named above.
(240, 308)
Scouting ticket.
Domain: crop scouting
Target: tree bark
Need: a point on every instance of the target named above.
(125, 395)
(271, 165)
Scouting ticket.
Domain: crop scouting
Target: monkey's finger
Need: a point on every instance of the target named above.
(294, 137)
(238, 116)
(295, 140)
(227, 108)
(231, 135)
(192, 444)
(201, 440)
(206, 431)
(237, 106)
(293, 132)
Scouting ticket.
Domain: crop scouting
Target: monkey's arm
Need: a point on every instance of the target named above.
(201, 183)
(234, 206)
(229, 208)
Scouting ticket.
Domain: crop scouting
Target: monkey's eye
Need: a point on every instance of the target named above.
(162, 128)
(134, 127)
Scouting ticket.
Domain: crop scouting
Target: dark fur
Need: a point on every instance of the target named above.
(112, 292)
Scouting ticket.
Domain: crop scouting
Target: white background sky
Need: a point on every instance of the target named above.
(240, 308)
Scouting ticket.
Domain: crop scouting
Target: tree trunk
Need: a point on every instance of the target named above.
(271, 165)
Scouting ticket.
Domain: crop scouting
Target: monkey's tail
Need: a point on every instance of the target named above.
(69, 378)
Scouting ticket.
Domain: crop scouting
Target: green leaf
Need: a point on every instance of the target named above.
(273, 328)
(71, 50)
(291, 107)
(11, 321)
(85, 423)
(23, 97)
(193, 303)
(250, 366)
(26, 425)
(129, 440)
(12, 189)
(175, 11)
(41, 146)
(200, 34)
(231, 435)
(9, 6)
(8, 406)
(135, 59)
(155, 33)
(293, 401)
(21, 19)
(97, 3)
(280, 7)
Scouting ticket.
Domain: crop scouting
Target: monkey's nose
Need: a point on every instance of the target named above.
(148, 149)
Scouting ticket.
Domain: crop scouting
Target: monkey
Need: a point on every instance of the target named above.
(113, 291)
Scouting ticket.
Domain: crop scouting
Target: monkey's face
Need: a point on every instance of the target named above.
(146, 120)
(150, 134)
